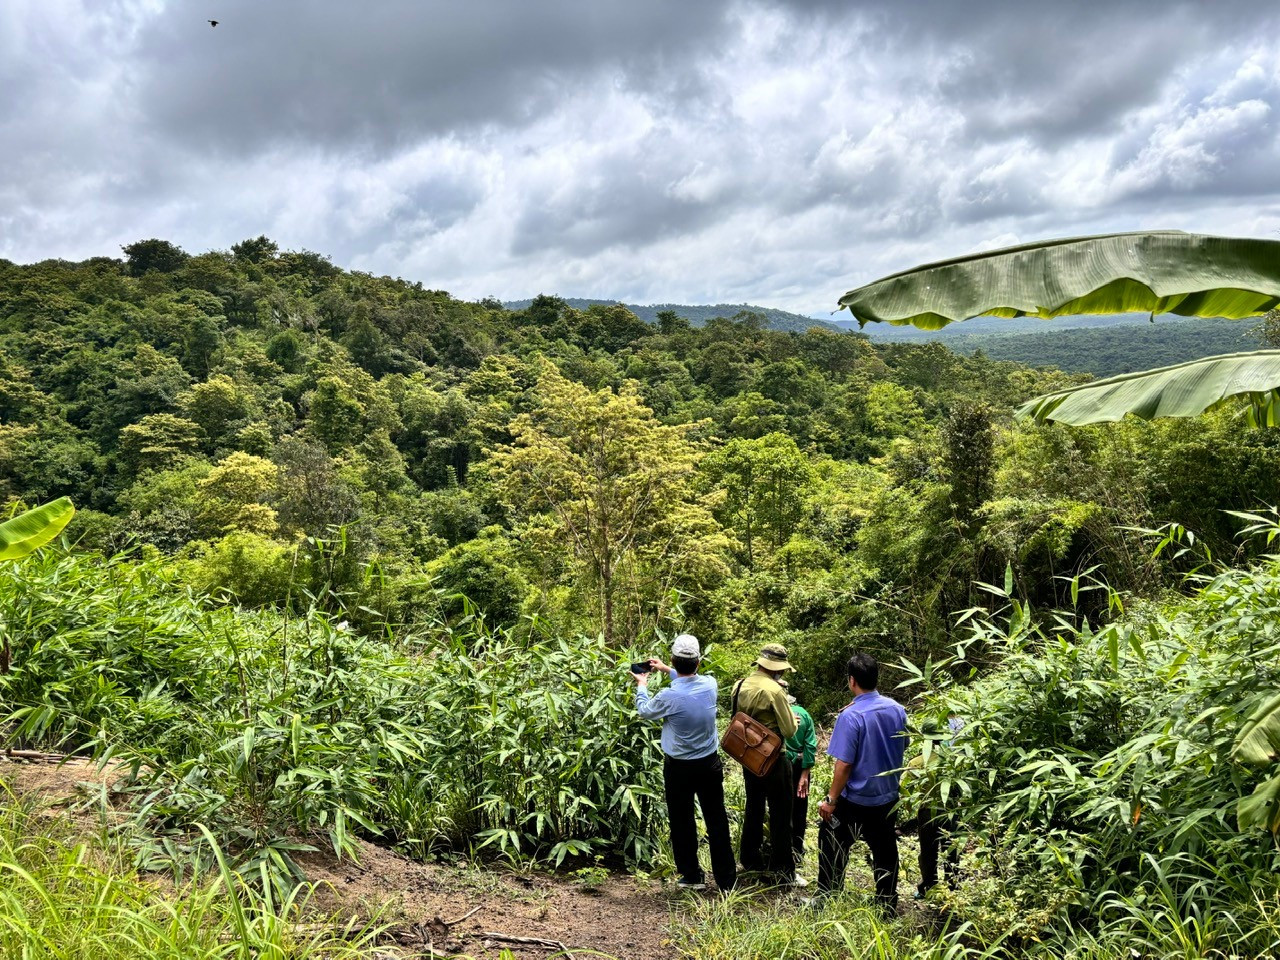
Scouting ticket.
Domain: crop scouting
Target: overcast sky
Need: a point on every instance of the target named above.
(691, 151)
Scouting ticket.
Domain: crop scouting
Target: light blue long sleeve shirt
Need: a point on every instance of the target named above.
(687, 709)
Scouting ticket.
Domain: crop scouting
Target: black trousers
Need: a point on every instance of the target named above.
(934, 825)
(799, 814)
(773, 791)
(875, 825)
(703, 779)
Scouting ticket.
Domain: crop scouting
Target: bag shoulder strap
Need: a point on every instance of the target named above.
(735, 696)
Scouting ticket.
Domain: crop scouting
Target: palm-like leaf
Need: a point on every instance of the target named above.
(1164, 272)
(1259, 739)
(29, 531)
(1183, 390)
(1259, 742)
(1261, 808)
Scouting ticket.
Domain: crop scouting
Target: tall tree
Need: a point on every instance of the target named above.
(158, 255)
(969, 459)
(609, 474)
(763, 480)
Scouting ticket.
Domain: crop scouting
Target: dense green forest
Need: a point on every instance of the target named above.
(1114, 350)
(266, 419)
(381, 506)
(1103, 351)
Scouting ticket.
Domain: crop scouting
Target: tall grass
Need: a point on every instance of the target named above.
(62, 898)
(743, 927)
(1094, 779)
(283, 731)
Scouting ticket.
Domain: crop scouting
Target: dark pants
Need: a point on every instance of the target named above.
(875, 825)
(773, 791)
(933, 827)
(683, 780)
(799, 815)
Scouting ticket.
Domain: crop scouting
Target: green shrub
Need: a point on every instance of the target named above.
(65, 898)
(1094, 773)
(281, 730)
(256, 570)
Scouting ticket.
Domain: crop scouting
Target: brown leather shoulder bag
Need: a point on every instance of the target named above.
(750, 742)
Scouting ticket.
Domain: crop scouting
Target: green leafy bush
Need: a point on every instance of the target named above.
(1094, 775)
(63, 897)
(282, 730)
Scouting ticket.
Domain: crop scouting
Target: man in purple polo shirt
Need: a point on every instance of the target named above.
(867, 743)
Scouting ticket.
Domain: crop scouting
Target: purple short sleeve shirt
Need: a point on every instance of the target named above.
(871, 734)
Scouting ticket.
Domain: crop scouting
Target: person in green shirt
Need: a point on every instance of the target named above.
(802, 751)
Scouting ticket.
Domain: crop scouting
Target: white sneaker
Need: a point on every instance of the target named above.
(691, 886)
(798, 881)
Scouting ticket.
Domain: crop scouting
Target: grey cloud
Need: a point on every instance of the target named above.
(381, 75)
(629, 207)
(749, 150)
(1049, 70)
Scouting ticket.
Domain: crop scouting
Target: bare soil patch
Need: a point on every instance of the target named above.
(58, 783)
(622, 918)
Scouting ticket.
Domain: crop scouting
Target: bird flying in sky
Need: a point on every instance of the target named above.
(213, 23)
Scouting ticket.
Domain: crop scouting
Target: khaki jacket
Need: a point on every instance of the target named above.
(760, 698)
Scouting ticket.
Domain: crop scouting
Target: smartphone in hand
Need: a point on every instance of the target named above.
(641, 667)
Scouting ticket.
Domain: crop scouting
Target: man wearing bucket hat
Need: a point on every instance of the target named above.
(691, 766)
(761, 698)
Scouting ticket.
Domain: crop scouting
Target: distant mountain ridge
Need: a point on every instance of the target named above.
(698, 314)
(1000, 326)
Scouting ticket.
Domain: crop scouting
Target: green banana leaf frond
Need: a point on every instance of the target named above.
(1261, 809)
(1183, 390)
(29, 531)
(1160, 272)
(1259, 739)
(1259, 742)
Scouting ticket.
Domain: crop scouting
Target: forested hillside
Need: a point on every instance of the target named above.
(771, 317)
(1110, 351)
(1123, 345)
(267, 418)
(356, 559)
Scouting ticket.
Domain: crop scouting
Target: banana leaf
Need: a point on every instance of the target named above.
(1259, 739)
(1261, 809)
(1161, 272)
(29, 531)
(1183, 390)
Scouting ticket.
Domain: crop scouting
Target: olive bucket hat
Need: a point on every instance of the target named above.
(773, 656)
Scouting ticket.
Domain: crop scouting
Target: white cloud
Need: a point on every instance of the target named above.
(778, 154)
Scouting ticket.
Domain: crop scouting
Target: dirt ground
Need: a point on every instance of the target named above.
(620, 918)
(426, 903)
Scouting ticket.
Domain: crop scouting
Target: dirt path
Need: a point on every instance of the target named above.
(623, 918)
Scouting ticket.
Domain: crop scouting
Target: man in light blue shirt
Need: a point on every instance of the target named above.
(691, 765)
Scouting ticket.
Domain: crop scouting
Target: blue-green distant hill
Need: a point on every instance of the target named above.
(1102, 345)
(698, 315)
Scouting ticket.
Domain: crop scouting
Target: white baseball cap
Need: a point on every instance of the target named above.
(686, 645)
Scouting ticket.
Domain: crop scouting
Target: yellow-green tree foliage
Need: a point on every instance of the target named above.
(616, 485)
(236, 491)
